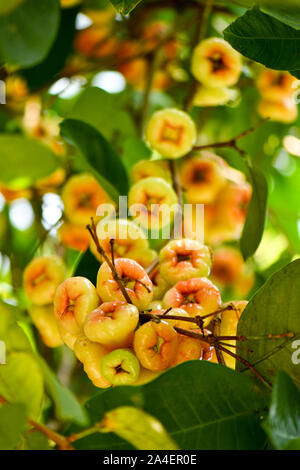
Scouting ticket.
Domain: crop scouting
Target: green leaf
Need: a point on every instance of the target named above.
(12, 425)
(28, 160)
(106, 113)
(125, 6)
(274, 310)
(21, 381)
(264, 39)
(10, 332)
(34, 440)
(67, 407)
(256, 214)
(134, 151)
(88, 266)
(28, 32)
(283, 422)
(139, 428)
(98, 156)
(8, 5)
(44, 72)
(287, 12)
(201, 405)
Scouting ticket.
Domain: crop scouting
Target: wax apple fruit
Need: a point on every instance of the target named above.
(127, 236)
(75, 298)
(188, 349)
(155, 345)
(147, 168)
(183, 259)
(202, 177)
(197, 296)
(215, 63)
(136, 281)
(152, 202)
(284, 110)
(276, 85)
(81, 196)
(171, 132)
(44, 320)
(217, 96)
(41, 278)
(120, 367)
(112, 324)
(74, 236)
(90, 354)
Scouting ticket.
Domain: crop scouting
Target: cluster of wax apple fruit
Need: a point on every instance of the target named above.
(123, 340)
(277, 90)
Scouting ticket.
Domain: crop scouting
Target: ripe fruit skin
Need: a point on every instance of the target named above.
(160, 285)
(197, 296)
(90, 354)
(44, 320)
(147, 168)
(150, 202)
(202, 177)
(81, 196)
(120, 367)
(41, 278)
(175, 323)
(215, 63)
(75, 298)
(155, 345)
(143, 256)
(188, 349)
(128, 237)
(228, 327)
(276, 85)
(74, 236)
(136, 281)
(183, 259)
(112, 324)
(284, 110)
(209, 96)
(146, 376)
(171, 132)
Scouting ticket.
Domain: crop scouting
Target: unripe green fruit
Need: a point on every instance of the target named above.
(120, 367)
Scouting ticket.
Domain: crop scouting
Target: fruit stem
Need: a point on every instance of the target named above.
(92, 229)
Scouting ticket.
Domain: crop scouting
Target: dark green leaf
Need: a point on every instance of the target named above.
(98, 155)
(27, 33)
(88, 266)
(66, 405)
(201, 405)
(283, 422)
(287, 12)
(28, 160)
(55, 60)
(12, 425)
(125, 6)
(256, 214)
(264, 39)
(274, 310)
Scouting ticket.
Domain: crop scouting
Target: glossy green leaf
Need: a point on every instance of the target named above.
(139, 428)
(10, 332)
(134, 151)
(12, 425)
(67, 408)
(21, 381)
(201, 405)
(44, 72)
(34, 440)
(125, 6)
(288, 12)
(262, 38)
(274, 310)
(28, 160)
(98, 156)
(256, 214)
(28, 32)
(283, 422)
